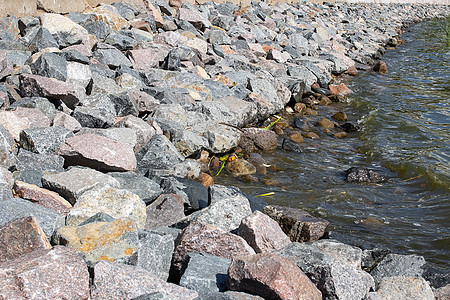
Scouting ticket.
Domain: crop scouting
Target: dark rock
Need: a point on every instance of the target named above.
(363, 175)
(98, 217)
(75, 56)
(299, 225)
(50, 65)
(380, 67)
(43, 273)
(270, 276)
(33, 166)
(172, 61)
(121, 42)
(166, 210)
(370, 258)
(20, 237)
(124, 104)
(43, 39)
(44, 140)
(110, 56)
(39, 86)
(43, 104)
(349, 127)
(93, 117)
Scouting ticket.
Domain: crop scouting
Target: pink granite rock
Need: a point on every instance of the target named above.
(22, 118)
(143, 59)
(39, 86)
(262, 233)
(41, 196)
(270, 276)
(118, 281)
(98, 152)
(59, 273)
(209, 239)
(20, 237)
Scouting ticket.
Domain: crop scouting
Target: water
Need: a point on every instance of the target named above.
(405, 120)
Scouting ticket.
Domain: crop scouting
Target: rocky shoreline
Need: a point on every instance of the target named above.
(114, 121)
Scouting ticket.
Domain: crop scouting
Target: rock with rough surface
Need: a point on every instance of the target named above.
(44, 140)
(75, 181)
(97, 152)
(155, 253)
(41, 197)
(205, 272)
(262, 233)
(402, 287)
(59, 273)
(40, 86)
(297, 224)
(209, 239)
(112, 241)
(363, 175)
(114, 281)
(398, 265)
(20, 237)
(166, 210)
(270, 276)
(14, 121)
(16, 208)
(33, 166)
(333, 267)
(147, 189)
(115, 202)
(254, 139)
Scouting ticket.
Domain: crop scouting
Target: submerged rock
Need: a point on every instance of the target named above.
(363, 175)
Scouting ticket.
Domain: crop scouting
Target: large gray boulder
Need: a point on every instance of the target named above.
(155, 253)
(333, 267)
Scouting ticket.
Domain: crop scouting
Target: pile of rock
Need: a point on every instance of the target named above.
(103, 116)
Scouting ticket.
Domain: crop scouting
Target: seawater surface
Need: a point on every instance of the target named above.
(404, 117)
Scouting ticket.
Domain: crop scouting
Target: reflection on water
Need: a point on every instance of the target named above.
(405, 120)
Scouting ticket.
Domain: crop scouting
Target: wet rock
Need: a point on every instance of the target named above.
(349, 127)
(33, 166)
(204, 272)
(147, 189)
(333, 267)
(297, 224)
(262, 233)
(119, 281)
(45, 274)
(155, 253)
(270, 276)
(380, 67)
(17, 208)
(41, 197)
(112, 241)
(115, 202)
(340, 116)
(50, 65)
(340, 135)
(226, 209)
(402, 287)
(14, 121)
(326, 124)
(340, 89)
(363, 175)
(20, 237)
(44, 140)
(398, 265)
(240, 167)
(39, 86)
(296, 137)
(254, 139)
(97, 152)
(75, 181)
(312, 135)
(209, 239)
(166, 210)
